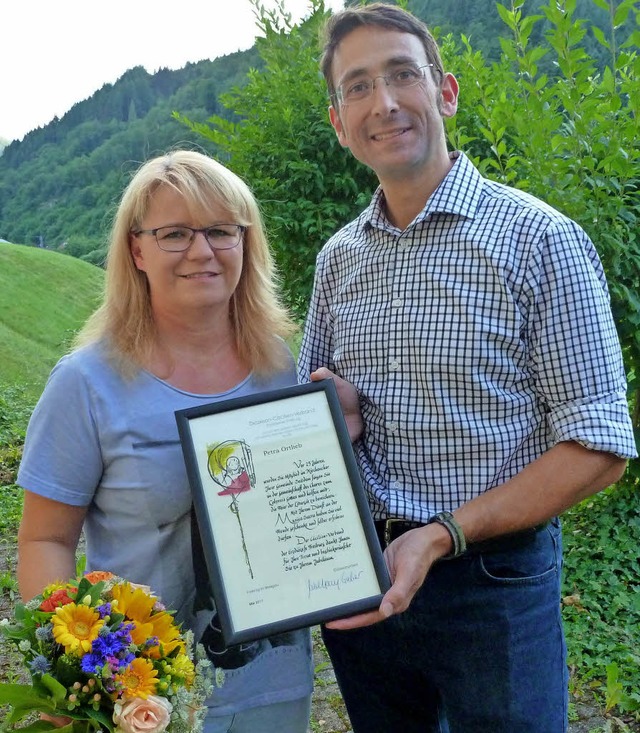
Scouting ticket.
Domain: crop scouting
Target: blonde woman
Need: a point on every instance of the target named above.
(190, 315)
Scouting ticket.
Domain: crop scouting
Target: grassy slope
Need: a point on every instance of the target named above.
(44, 297)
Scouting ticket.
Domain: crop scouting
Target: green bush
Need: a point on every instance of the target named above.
(572, 140)
(601, 607)
(15, 410)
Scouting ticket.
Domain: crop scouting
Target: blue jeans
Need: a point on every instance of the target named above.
(282, 717)
(480, 650)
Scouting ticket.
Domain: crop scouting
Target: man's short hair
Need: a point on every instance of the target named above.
(381, 15)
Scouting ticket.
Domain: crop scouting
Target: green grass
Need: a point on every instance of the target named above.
(44, 298)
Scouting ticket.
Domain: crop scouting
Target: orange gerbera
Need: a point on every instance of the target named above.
(75, 627)
(138, 679)
(95, 576)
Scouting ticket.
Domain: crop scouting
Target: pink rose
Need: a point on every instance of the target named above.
(142, 716)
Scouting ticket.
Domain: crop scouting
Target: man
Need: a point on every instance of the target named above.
(474, 322)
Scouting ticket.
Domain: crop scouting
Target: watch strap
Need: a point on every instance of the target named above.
(447, 520)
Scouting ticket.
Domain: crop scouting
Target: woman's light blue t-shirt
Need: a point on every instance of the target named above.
(99, 440)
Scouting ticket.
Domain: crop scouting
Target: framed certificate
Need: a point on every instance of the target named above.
(287, 533)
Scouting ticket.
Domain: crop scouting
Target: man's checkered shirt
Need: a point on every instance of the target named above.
(478, 338)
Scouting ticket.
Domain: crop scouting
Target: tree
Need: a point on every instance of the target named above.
(283, 146)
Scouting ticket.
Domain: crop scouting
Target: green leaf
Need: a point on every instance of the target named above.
(57, 690)
(101, 717)
(633, 40)
(622, 12)
(600, 37)
(93, 590)
(18, 695)
(507, 16)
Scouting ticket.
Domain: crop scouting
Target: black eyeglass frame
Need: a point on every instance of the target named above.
(241, 229)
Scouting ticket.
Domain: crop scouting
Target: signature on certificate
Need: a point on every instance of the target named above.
(335, 582)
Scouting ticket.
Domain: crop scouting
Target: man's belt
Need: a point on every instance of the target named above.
(390, 529)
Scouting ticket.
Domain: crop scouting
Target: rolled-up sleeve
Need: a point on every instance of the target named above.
(575, 347)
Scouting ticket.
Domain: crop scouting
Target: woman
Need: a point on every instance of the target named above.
(190, 316)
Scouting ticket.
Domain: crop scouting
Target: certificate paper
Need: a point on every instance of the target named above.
(286, 530)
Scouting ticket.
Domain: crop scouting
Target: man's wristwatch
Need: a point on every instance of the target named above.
(447, 520)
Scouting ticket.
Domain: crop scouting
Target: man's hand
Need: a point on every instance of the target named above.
(349, 401)
(409, 558)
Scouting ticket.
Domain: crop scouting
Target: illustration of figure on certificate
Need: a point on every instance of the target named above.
(230, 465)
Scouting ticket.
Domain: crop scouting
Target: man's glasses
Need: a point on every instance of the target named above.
(179, 239)
(360, 88)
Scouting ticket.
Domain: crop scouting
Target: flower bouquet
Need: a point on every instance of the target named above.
(105, 655)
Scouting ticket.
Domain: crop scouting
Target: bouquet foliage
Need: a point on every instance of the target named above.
(108, 656)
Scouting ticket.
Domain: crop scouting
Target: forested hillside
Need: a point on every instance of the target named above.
(59, 184)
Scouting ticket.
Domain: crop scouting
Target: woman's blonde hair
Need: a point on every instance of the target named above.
(124, 320)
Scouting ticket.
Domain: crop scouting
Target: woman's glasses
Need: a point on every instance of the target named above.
(180, 238)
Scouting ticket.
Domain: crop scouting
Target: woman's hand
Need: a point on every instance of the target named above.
(349, 401)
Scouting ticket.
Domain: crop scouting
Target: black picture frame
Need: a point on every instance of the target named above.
(286, 530)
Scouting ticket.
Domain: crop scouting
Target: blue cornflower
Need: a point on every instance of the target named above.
(109, 645)
(39, 665)
(124, 660)
(91, 663)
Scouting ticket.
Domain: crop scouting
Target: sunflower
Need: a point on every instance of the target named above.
(138, 679)
(75, 627)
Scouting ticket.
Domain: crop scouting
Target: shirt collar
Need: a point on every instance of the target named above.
(458, 194)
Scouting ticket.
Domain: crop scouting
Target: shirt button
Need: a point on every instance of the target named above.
(394, 365)
(396, 302)
(392, 427)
